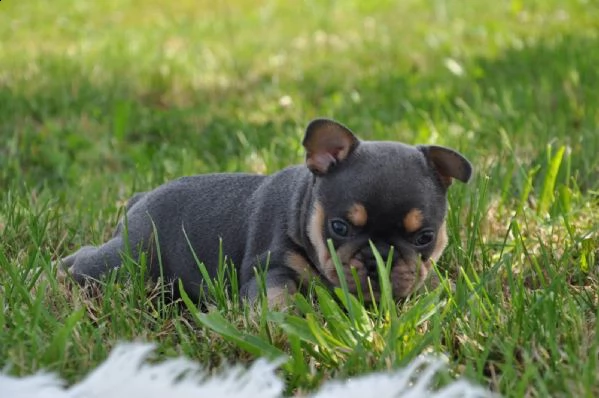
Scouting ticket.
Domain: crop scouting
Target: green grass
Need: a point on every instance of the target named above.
(102, 99)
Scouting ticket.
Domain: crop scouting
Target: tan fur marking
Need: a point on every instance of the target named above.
(300, 265)
(403, 278)
(350, 264)
(331, 273)
(441, 242)
(357, 215)
(407, 278)
(413, 220)
(315, 226)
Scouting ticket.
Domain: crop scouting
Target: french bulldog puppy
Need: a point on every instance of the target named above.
(349, 191)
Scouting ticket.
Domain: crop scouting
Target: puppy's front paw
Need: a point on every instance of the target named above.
(278, 291)
(64, 266)
(279, 297)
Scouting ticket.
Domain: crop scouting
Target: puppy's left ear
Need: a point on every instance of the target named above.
(448, 163)
(327, 143)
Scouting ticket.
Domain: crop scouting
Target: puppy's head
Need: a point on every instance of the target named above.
(387, 193)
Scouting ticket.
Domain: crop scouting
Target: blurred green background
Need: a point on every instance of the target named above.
(117, 91)
(99, 99)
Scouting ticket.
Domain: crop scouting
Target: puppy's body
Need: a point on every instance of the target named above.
(351, 192)
(200, 212)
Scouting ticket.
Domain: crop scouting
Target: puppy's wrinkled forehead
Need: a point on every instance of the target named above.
(388, 179)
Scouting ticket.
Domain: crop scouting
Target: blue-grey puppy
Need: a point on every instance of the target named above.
(349, 191)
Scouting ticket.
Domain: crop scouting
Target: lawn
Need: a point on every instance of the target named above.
(99, 100)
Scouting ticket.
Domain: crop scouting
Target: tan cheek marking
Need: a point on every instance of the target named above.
(435, 255)
(441, 242)
(407, 278)
(348, 263)
(330, 272)
(357, 215)
(413, 220)
(301, 266)
(403, 277)
(315, 235)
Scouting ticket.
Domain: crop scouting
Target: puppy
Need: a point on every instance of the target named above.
(349, 191)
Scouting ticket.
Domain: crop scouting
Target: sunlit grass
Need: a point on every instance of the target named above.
(99, 100)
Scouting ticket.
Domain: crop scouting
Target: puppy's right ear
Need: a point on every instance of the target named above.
(327, 143)
(448, 163)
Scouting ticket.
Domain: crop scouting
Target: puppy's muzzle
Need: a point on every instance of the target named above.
(366, 255)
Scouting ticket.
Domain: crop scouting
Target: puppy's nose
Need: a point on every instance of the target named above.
(370, 260)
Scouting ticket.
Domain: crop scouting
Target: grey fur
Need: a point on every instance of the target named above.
(260, 218)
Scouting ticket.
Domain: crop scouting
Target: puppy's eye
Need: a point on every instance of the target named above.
(424, 238)
(339, 227)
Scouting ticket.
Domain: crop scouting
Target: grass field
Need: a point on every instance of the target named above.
(102, 99)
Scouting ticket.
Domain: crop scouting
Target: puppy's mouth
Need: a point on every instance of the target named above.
(360, 272)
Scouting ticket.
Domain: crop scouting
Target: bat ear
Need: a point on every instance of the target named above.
(448, 163)
(327, 143)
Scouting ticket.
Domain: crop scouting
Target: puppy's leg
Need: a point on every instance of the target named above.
(67, 262)
(279, 285)
(91, 262)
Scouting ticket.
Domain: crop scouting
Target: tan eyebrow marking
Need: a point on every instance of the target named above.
(413, 220)
(358, 215)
